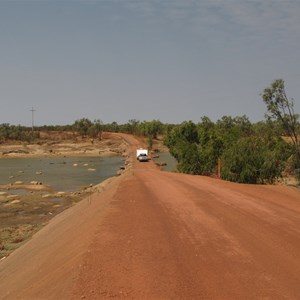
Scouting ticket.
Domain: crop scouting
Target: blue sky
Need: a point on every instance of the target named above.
(117, 60)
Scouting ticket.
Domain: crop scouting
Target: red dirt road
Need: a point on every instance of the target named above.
(157, 235)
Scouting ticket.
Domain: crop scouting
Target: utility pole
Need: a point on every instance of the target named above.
(32, 118)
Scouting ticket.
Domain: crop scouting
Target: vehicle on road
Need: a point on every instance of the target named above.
(142, 155)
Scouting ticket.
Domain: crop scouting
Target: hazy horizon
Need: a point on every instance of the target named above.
(172, 61)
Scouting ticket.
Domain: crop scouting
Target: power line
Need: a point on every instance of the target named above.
(32, 118)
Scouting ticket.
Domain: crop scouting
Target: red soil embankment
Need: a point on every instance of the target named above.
(157, 235)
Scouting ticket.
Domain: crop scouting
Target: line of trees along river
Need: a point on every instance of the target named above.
(247, 152)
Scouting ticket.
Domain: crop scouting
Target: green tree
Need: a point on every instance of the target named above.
(281, 109)
(210, 146)
(182, 140)
(131, 126)
(188, 158)
(17, 133)
(254, 159)
(95, 130)
(82, 126)
(186, 131)
(231, 129)
(154, 128)
(150, 142)
(4, 131)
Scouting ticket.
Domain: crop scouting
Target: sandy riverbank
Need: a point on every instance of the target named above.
(52, 145)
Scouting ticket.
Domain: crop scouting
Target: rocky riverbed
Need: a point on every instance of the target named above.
(24, 213)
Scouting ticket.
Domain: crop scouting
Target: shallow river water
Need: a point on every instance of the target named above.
(169, 160)
(60, 173)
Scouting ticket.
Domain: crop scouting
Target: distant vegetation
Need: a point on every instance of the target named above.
(17, 133)
(247, 153)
